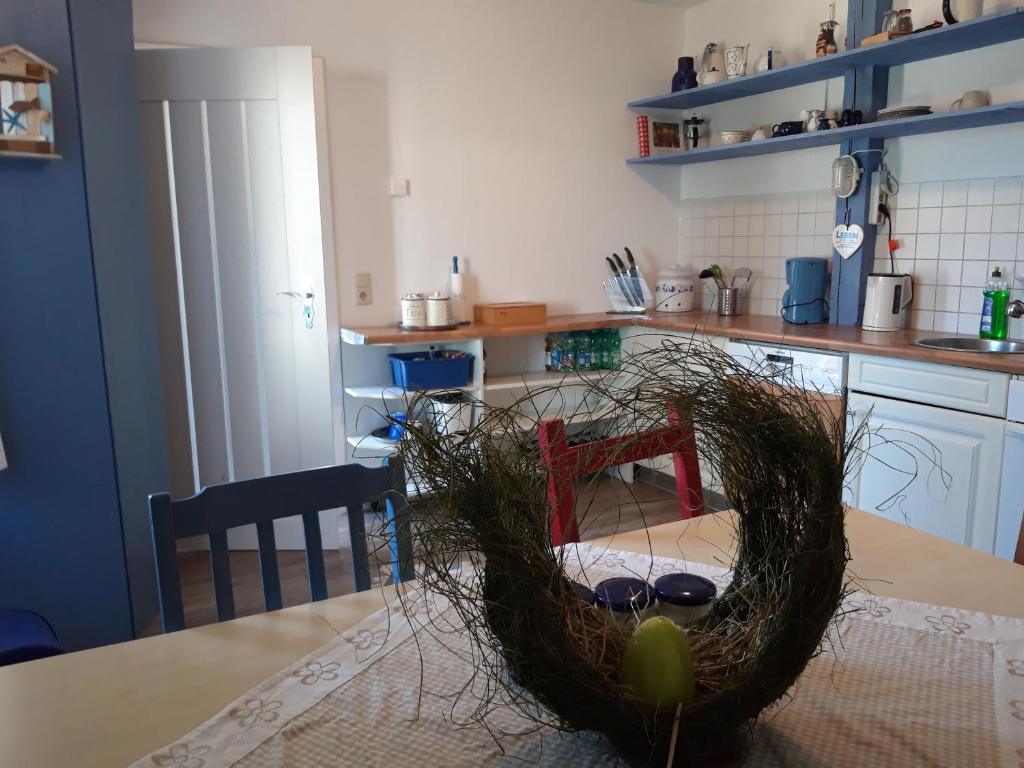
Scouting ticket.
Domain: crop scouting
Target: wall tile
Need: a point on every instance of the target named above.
(968, 323)
(927, 246)
(945, 321)
(924, 296)
(949, 273)
(926, 271)
(931, 195)
(906, 221)
(954, 193)
(951, 247)
(1003, 249)
(953, 219)
(976, 246)
(974, 273)
(1007, 191)
(929, 220)
(922, 320)
(909, 196)
(950, 236)
(979, 218)
(980, 191)
(1005, 218)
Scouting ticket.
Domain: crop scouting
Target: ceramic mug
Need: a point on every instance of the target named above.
(788, 128)
(736, 61)
(972, 100)
(761, 132)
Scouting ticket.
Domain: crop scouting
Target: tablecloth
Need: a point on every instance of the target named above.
(898, 683)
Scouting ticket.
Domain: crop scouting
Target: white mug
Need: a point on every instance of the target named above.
(971, 100)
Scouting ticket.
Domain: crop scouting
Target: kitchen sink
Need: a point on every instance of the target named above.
(967, 344)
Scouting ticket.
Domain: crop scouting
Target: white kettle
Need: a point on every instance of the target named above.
(887, 302)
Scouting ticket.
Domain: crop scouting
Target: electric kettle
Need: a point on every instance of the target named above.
(886, 302)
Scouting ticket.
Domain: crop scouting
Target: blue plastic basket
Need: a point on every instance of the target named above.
(434, 369)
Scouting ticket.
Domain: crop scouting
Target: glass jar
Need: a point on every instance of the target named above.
(629, 600)
(684, 597)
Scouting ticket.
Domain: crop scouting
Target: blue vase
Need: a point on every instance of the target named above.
(686, 76)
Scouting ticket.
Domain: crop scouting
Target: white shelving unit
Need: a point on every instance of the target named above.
(513, 372)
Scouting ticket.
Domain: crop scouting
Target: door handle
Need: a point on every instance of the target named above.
(307, 303)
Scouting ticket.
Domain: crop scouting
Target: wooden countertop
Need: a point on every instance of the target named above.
(837, 338)
(109, 706)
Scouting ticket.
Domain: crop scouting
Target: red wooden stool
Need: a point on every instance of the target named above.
(565, 464)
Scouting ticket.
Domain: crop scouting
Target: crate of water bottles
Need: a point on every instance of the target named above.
(593, 350)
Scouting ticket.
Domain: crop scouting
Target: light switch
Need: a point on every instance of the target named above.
(399, 187)
(364, 289)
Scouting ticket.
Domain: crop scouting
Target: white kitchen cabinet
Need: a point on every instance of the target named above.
(901, 479)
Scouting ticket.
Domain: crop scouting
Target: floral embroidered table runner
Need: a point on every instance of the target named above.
(900, 683)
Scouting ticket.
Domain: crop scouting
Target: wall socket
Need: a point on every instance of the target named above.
(364, 289)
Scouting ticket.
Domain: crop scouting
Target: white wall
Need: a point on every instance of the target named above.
(508, 117)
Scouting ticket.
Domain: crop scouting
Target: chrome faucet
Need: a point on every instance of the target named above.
(1015, 309)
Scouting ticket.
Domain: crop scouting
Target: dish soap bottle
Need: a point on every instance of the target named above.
(993, 310)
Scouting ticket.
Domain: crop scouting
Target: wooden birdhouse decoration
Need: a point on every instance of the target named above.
(26, 104)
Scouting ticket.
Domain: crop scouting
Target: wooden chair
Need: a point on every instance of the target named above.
(215, 510)
(566, 464)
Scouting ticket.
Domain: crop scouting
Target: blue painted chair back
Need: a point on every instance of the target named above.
(217, 509)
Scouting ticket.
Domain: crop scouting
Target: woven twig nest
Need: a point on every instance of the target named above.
(779, 455)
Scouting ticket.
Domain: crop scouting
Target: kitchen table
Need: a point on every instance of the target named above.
(109, 706)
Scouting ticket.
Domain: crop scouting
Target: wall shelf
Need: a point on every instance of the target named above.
(546, 379)
(998, 114)
(29, 155)
(397, 393)
(993, 29)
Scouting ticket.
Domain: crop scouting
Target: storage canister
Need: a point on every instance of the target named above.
(684, 597)
(674, 290)
(414, 310)
(627, 599)
(439, 312)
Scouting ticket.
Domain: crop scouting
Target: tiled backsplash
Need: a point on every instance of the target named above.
(759, 232)
(952, 234)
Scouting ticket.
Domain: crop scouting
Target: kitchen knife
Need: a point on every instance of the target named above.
(634, 275)
(622, 279)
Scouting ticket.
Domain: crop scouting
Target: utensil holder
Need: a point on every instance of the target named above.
(730, 302)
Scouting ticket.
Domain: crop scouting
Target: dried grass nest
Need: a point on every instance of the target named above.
(780, 457)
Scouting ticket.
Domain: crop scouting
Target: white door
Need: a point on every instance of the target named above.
(230, 145)
(901, 479)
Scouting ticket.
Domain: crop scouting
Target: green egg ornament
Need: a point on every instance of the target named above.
(658, 663)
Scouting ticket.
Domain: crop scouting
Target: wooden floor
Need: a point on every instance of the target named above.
(604, 507)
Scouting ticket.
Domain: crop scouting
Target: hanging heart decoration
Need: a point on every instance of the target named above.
(847, 239)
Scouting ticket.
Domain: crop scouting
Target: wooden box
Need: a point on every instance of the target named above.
(511, 313)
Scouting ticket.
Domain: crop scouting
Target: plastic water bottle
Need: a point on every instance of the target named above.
(584, 350)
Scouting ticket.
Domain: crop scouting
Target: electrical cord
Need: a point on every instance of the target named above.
(782, 312)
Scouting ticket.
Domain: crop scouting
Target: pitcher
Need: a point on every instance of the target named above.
(736, 60)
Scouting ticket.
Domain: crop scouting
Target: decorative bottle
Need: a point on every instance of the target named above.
(686, 76)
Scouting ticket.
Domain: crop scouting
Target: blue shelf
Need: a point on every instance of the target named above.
(979, 33)
(998, 114)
